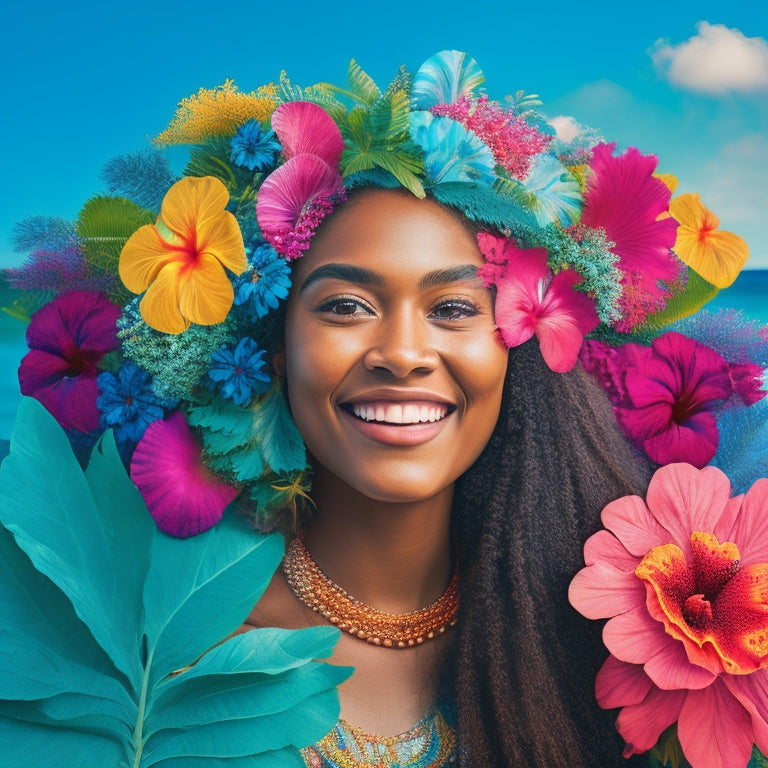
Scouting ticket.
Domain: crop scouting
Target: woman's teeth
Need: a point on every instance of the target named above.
(400, 413)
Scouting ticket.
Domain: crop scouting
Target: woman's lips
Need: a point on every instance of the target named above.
(398, 423)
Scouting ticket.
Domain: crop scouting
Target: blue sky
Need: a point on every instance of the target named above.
(687, 81)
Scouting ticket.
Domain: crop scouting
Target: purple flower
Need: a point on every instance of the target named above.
(67, 339)
(128, 404)
(240, 372)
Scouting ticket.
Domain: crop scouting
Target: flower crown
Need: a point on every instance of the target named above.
(155, 314)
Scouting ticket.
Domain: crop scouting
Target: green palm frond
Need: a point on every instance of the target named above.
(104, 225)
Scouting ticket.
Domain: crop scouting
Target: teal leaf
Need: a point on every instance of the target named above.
(253, 699)
(274, 429)
(220, 574)
(47, 504)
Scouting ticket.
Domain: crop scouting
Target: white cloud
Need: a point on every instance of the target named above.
(566, 127)
(715, 60)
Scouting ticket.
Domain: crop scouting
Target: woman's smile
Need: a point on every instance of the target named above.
(393, 367)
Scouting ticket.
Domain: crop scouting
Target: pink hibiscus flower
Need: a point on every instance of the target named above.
(665, 396)
(183, 496)
(531, 300)
(625, 199)
(683, 580)
(296, 197)
(67, 339)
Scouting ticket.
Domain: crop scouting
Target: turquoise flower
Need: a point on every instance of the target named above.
(254, 148)
(451, 152)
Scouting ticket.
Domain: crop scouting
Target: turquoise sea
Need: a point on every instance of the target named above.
(749, 293)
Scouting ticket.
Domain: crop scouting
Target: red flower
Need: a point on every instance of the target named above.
(531, 300)
(683, 580)
(68, 338)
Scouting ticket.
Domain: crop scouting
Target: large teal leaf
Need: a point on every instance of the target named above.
(71, 537)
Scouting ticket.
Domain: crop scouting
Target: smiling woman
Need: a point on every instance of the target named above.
(422, 421)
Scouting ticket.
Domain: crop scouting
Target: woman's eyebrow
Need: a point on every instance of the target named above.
(349, 273)
(458, 274)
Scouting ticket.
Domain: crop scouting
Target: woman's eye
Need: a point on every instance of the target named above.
(343, 307)
(454, 310)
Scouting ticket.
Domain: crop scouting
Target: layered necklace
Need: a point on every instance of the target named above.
(390, 630)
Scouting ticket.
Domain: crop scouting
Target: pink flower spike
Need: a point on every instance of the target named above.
(183, 496)
(530, 300)
(306, 128)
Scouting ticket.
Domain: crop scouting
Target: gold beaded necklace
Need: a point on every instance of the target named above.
(390, 630)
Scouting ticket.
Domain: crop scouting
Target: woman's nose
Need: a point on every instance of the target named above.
(403, 345)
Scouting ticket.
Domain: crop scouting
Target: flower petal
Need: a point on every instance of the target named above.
(442, 78)
(306, 128)
(191, 203)
(749, 530)
(684, 499)
(694, 442)
(220, 237)
(670, 669)
(641, 724)
(601, 591)
(160, 304)
(603, 546)
(752, 692)
(206, 293)
(144, 254)
(634, 636)
(619, 684)
(182, 495)
(714, 729)
(633, 524)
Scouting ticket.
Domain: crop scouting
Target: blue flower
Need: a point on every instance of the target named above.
(265, 282)
(253, 148)
(240, 372)
(451, 152)
(128, 404)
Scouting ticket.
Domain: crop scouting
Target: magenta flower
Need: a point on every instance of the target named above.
(67, 339)
(683, 580)
(665, 396)
(531, 300)
(296, 197)
(625, 199)
(183, 496)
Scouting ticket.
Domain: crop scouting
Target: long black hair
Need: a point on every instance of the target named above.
(522, 667)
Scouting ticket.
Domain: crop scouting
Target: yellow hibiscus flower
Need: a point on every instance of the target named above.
(717, 256)
(180, 260)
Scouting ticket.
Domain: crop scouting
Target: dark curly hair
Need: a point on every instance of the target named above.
(522, 667)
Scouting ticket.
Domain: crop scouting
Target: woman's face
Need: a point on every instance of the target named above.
(393, 366)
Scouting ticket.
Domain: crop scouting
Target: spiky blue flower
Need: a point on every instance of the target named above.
(265, 282)
(240, 372)
(128, 404)
(254, 148)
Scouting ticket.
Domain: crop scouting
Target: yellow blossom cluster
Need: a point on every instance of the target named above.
(216, 112)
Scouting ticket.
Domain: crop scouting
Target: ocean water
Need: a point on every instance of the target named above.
(749, 293)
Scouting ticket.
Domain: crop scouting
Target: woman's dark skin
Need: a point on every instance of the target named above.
(411, 327)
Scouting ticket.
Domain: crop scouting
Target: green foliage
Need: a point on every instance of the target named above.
(104, 225)
(696, 294)
(111, 631)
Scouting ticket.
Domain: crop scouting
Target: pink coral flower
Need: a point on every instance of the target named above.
(295, 198)
(531, 300)
(683, 579)
(625, 199)
(183, 496)
(67, 339)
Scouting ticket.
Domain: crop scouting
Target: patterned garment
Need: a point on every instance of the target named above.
(431, 743)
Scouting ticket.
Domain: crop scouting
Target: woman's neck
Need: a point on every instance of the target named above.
(395, 557)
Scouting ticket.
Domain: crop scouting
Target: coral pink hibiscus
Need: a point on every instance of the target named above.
(531, 300)
(183, 496)
(665, 396)
(295, 198)
(625, 199)
(683, 580)
(67, 339)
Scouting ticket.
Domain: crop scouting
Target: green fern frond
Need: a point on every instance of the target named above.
(514, 190)
(361, 85)
(389, 118)
(104, 225)
(402, 81)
